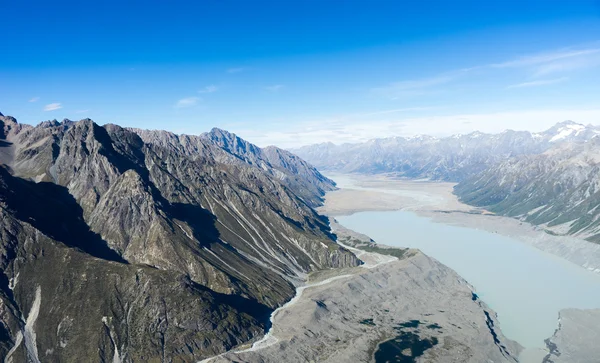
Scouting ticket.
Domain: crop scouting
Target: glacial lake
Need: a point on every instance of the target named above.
(525, 286)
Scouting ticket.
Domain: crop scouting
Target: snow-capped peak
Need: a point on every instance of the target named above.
(567, 130)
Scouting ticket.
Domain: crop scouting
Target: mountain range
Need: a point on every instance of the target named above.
(449, 159)
(121, 244)
(548, 178)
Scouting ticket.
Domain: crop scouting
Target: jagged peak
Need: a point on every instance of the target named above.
(1, 114)
(9, 119)
(229, 140)
(568, 122)
(222, 132)
(565, 124)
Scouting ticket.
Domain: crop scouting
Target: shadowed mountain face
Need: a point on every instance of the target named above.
(145, 245)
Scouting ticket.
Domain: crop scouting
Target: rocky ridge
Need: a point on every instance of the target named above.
(558, 189)
(129, 245)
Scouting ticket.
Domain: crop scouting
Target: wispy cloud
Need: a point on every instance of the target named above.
(34, 99)
(396, 110)
(541, 82)
(546, 57)
(82, 111)
(275, 88)
(187, 102)
(52, 107)
(415, 87)
(209, 89)
(236, 70)
(562, 60)
(536, 65)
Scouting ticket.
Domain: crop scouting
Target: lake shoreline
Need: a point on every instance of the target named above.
(435, 200)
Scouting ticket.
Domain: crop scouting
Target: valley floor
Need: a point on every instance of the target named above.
(435, 200)
(368, 313)
(409, 308)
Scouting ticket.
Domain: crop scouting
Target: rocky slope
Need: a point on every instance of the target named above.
(451, 159)
(127, 245)
(371, 315)
(576, 339)
(558, 189)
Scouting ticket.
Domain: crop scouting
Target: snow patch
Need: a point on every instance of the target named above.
(566, 131)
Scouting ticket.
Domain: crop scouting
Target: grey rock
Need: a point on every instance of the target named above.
(148, 246)
(349, 319)
(451, 158)
(576, 339)
(558, 189)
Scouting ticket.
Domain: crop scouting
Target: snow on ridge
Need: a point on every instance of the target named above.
(568, 130)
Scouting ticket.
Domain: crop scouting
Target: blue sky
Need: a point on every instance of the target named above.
(297, 72)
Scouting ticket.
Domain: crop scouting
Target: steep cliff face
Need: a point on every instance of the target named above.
(172, 236)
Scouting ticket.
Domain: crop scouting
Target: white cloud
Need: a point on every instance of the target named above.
(416, 87)
(342, 130)
(558, 61)
(209, 89)
(236, 70)
(82, 111)
(187, 102)
(34, 99)
(562, 60)
(275, 88)
(52, 107)
(541, 82)
(547, 57)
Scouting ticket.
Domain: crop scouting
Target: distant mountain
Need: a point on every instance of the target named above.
(451, 158)
(558, 189)
(132, 245)
(549, 178)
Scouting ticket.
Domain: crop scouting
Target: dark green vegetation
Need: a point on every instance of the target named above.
(371, 246)
(368, 322)
(130, 245)
(406, 347)
(410, 324)
(396, 252)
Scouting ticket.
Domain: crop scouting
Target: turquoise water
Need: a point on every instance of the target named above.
(525, 286)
